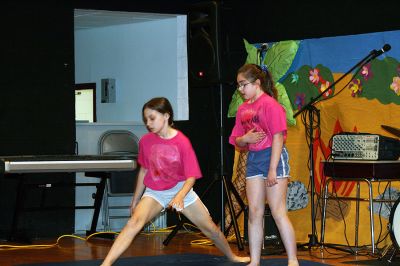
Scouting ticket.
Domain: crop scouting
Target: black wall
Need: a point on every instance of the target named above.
(37, 109)
(37, 99)
(37, 79)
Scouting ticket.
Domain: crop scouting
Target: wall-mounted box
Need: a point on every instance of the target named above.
(108, 90)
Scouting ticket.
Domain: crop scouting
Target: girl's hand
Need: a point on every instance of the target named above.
(271, 179)
(134, 203)
(253, 136)
(177, 203)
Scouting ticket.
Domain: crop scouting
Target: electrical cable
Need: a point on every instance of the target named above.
(309, 131)
(379, 214)
(57, 243)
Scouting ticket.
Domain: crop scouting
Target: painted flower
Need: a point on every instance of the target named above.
(323, 87)
(299, 100)
(355, 87)
(295, 78)
(396, 85)
(366, 71)
(314, 76)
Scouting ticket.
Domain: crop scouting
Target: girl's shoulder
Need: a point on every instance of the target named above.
(147, 137)
(268, 101)
(180, 136)
(264, 99)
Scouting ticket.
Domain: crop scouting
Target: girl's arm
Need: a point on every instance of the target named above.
(250, 137)
(277, 145)
(139, 189)
(177, 201)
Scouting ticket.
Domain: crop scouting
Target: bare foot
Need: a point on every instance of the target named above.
(239, 259)
(294, 262)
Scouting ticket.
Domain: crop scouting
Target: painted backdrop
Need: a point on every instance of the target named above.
(361, 102)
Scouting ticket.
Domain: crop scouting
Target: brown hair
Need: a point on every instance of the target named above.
(252, 72)
(161, 105)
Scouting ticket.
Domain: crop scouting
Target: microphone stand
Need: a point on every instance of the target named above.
(226, 185)
(312, 110)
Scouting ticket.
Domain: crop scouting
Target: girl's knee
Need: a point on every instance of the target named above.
(278, 212)
(136, 221)
(281, 218)
(256, 213)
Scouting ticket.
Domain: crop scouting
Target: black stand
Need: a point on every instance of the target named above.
(243, 207)
(393, 256)
(17, 236)
(225, 186)
(312, 111)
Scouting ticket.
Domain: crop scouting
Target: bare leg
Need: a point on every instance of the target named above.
(199, 215)
(256, 199)
(276, 197)
(146, 210)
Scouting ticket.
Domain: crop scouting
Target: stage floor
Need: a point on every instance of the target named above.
(72, 249)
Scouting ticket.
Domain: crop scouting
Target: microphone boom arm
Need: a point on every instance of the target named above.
(312, 111)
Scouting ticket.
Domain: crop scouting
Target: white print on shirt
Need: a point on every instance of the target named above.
(164, 162)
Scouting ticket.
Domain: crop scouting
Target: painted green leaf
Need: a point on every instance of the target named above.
(284, 100)
(234, 104)
(280, 57)
(252, 56)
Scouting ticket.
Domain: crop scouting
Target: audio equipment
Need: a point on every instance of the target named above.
(204, 55)
(271, 232)
(364, 146)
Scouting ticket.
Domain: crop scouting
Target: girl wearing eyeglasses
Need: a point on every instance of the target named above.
(260, 128)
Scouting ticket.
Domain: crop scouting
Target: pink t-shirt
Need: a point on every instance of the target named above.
(265, 114)
(168, 161)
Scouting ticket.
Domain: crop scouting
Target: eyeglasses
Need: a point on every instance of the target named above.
(241, 86)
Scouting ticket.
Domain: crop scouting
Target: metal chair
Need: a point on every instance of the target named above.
(120, 184)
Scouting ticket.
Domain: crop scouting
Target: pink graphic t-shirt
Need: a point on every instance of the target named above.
(264, 115)
(168, 161)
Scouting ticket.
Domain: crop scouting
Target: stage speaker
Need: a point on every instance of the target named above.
(271, 232)
(204, 57)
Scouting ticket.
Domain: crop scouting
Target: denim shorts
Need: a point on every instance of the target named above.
(258, 164)
(165, 196)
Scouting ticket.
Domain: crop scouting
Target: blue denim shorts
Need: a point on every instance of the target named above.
(165, 196)
(258, 164)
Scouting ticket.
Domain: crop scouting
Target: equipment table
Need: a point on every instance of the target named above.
(358, 171)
